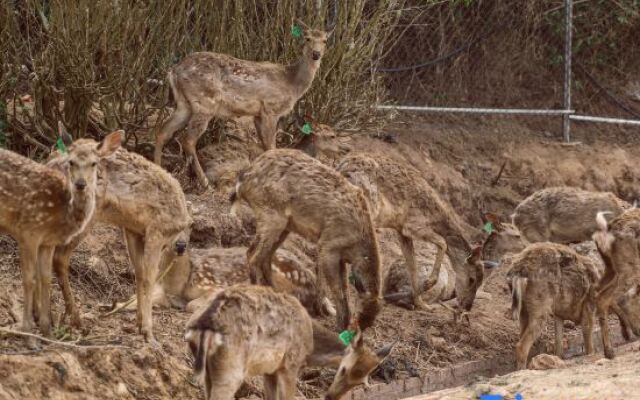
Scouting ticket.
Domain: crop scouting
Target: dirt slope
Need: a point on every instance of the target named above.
(460, 160)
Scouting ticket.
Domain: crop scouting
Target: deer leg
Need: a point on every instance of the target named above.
(135, 248)
(45, 256)
(266, 127)
(406, 244)
(177, 120)
(270, 233)
(427, 235)
(559, 322)
(527, 338)
(587, 329)
(195, 128)
(603, 301)
(153, 244)
(287, 383)
(224, 375)
(329, 267)
(61, 259)
(270, 387)
(28, 257)
(624, 321)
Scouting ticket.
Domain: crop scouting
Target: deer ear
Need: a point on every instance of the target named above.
(358, 339)
(110, 143)
(67, 139)
(384, 352)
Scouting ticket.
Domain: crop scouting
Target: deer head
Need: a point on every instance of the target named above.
(315, 42)
(504, 238)
(80, 162)
(469, 279)
(356, 366)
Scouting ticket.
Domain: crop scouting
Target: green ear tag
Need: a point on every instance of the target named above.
(346, 336)
(488, 227)
(296, 31)
(307, 128)
(60, 145)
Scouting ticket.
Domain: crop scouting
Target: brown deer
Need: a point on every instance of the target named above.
(207, 85)
(246, 330)
(543, 216)
(551, 279)
(402, 200)
(150, 207)
(191, 278)
(619, 288)
(290, 191)
(42, 207)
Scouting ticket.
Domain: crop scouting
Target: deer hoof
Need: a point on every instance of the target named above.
(609, 353)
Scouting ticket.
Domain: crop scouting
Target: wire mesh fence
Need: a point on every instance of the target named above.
(501, 54)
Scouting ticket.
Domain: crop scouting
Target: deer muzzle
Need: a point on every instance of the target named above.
(181, 247)
(81, 184)
(315, 55)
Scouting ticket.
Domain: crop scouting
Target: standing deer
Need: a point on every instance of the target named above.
(207, 85)
(149, 205)
(550, 278)
(543, 216)
(619, 288)
(402, 200)
(290, 191)
(245, 331)
(43, 207)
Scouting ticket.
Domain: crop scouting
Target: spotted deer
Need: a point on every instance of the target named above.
(200, 272)
(246, 330)
(150, 207)
(543, 216)
(290, 191)
(42, 207)
(551, 279)
(402, 200)
(207, 85)
(619, 288)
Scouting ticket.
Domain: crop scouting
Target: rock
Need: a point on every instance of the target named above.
(121, 390)
(546, 361)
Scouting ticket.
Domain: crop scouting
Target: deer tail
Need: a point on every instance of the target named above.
(207, 343)
(603, 238)
(518, 286)
(235, 196)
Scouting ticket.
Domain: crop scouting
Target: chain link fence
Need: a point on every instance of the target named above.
(503, 54)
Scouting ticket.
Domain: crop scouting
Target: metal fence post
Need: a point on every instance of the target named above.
(568, 33)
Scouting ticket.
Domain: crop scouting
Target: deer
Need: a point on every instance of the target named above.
(247, 330)
(188, 280)
(207, 85)
(619, 288)
(42, 207)
(400, 199)
(290, 191)
(542, 216)
(551, 279)
(149, 205)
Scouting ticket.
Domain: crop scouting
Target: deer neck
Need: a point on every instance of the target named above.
(80, 211)
(303, 72)
(327, 348)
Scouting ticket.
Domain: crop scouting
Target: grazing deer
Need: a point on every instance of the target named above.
(207, 85)
(402, 200)
(290, 191)
(149, 205)
(619, 288)
(543, 216)
(200, 272)
(42, 207)
(550, 278)
(245, 331)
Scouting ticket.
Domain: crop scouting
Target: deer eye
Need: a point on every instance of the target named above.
(71, 163)
(93, 164)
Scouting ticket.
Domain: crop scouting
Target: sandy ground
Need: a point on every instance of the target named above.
(461, 160)
(585, 378)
